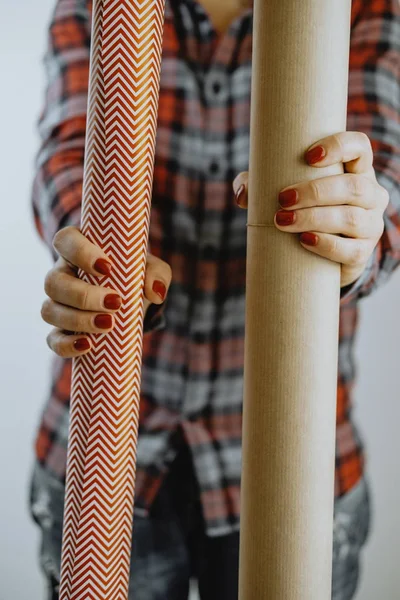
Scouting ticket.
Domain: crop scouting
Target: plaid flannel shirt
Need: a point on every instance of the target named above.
(193, 348)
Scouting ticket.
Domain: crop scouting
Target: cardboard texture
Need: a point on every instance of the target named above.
(299, 95)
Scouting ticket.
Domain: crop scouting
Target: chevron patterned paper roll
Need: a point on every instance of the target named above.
(121, 128)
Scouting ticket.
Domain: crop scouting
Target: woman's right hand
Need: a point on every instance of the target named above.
(74, 305)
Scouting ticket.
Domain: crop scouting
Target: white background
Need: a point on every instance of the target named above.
(24, 363)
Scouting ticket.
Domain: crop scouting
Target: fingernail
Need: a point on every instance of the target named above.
(308, 238)
(315, 154)
(103, 321)
(240, 194)
(160, 289)
(112, 301)
(102, 266)
(285, 217)
(288, 198)
(81, 344)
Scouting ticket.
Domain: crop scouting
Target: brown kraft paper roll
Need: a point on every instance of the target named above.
(299, 96)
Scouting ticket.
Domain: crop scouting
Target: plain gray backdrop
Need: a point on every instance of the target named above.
(25, 358)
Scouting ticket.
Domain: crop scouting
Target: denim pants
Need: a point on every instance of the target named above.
(170, 546)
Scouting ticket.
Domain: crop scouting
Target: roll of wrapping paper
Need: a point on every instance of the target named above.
(121, 126)
(299, 95)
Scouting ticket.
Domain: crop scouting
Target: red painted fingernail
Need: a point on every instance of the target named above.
(315, 154)
(288, 198)
(308, 238)
(102, 266)
(103, 321)
(112, 301)
(160, 289)
(285, 217)
(240, 195)
(82, 344)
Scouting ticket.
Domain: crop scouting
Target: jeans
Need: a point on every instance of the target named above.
(170, 546)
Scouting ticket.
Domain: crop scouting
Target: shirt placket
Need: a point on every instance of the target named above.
(215, 165)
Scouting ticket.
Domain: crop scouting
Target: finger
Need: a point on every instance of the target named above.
(157, 280)
(240, 188)
(350, 147)
(352, 221)
(72, 319)
(347, 251)
(75, 248)
(68, 346)
(63, 286)
(347, 188)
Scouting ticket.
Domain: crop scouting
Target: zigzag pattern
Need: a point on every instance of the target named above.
(119, 157)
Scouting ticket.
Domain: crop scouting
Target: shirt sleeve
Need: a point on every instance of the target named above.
(374, 108)
(57, 187)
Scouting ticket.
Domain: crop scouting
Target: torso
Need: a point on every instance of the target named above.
(223, 12)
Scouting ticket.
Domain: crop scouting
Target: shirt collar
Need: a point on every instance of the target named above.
(201, 43)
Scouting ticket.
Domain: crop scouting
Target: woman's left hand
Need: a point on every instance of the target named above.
(326, 209)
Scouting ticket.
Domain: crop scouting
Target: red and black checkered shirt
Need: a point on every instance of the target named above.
(192, 377)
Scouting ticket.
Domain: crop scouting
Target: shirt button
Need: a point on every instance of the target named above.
(214, 167)
(216, 87)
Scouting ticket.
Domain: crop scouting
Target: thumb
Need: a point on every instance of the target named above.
(157, 280)
(240, 188)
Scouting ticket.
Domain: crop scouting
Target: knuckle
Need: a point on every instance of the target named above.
(49, 282)
(60, 348)
(46, 310)
(334, 246)
(359, 255)
(357, 185)
(313, 219)
(49, 340)
(381, 228)
(365, 140)
(375, 224)
(64, 237)
(55, 344)
(58, 343)
(60, 236)
(83, 299)
(81, 246)
(385, 198)
(76, 322)
(316, 191)
(337, 138)
(354, 217)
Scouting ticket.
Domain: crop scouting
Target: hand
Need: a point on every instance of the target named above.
(74, 305)
(339, 217)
